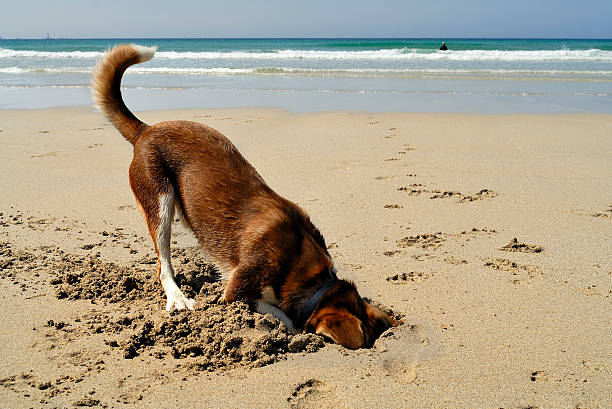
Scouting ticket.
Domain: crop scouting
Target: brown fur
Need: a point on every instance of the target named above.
(259, 237)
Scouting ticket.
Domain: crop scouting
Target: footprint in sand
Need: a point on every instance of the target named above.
(482, 195)
(449, 194)
(314, 393)
(409, 277)
(539, 376)
(453, 260)
(425, 241)
(402, 349)
(606, 213)
(43, 155)
(518, 271)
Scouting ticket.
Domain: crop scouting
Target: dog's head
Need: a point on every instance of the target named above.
(343, 316)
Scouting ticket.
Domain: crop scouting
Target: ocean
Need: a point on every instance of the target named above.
(474, 75)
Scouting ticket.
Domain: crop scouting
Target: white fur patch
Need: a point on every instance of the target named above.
(265, 308)
(178, 300)
(175, 297)
(145, 53)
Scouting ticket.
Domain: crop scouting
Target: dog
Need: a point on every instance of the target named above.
(274, 258)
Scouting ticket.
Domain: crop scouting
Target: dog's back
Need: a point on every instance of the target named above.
(192, 167)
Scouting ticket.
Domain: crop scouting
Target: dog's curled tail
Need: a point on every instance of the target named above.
(106, 85)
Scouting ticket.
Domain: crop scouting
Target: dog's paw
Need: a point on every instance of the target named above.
(177, 300)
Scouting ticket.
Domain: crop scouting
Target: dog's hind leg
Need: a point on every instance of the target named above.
(158, 215)
(175, 297)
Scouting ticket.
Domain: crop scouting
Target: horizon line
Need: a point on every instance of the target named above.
(305, 38)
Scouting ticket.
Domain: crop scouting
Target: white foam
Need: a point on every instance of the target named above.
(366, 72)
(8, 53)
(387, 54)
(402, 54)
(51, 70)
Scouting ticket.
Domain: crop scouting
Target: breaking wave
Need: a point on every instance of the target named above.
(593, 54)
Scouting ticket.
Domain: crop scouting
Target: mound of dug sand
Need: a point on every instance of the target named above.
(213, 336)
(219, 337)
(129, 312)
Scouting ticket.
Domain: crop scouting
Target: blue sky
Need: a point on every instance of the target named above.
(315, 18)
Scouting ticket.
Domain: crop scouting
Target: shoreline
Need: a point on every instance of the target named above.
(322, 94)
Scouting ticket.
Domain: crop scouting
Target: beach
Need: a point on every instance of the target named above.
(487, 233)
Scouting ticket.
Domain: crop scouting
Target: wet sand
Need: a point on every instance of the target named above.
(488, 234)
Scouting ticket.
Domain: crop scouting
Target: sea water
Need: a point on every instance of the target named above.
(474, 75)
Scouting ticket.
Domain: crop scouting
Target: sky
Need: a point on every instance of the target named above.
(306, 18)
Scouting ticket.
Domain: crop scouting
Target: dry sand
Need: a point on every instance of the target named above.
(490, 235)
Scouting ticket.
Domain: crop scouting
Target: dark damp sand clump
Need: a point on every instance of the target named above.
(515, 246)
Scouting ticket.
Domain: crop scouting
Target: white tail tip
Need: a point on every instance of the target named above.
(146, 53)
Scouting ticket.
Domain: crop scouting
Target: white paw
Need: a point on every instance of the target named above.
(178, 300)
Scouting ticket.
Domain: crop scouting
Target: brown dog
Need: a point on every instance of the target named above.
(275, 258)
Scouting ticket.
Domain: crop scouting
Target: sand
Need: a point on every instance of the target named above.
(490, 235)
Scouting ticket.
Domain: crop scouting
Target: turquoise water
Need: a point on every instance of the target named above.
(254, 44)
(475, 75)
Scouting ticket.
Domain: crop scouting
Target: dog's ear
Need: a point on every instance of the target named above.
(340, 326)
(378, 321)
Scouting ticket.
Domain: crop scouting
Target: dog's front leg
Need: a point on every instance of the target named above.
(265, 308)
(242, 287)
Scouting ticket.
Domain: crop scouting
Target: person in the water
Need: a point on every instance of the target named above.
(443, 47)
